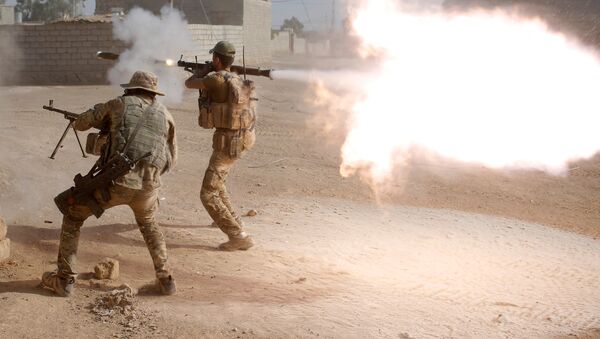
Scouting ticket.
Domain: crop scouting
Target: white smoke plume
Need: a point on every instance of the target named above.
(339, 80)
(152, 39)
(484, 88)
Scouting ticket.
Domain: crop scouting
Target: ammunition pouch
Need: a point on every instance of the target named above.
(95, 143)
(238, 112)
(232, 142)
(231, 116)
(205, 119)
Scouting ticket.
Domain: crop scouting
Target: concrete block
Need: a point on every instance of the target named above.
(107, 269)
(4, 249)
(2, 229)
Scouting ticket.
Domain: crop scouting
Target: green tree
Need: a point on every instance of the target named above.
(295, 24)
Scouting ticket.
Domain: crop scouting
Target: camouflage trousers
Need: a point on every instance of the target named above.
(143, 203)
(214, 194)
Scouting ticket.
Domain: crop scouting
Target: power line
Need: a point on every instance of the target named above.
(307, 15)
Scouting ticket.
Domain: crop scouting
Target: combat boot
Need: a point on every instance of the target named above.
(167, 285)
(240, 242)
(61, 286)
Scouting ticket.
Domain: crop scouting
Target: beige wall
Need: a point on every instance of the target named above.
(7, 15)
(206, 36)
(281, 42)
(257, 32)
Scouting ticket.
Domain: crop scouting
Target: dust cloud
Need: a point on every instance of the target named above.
(152, 40)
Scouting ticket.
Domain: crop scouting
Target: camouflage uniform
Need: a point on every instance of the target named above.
(213, 194)
(137, 189)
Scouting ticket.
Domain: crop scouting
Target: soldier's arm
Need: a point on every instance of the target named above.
(96, 117)
(195, 82)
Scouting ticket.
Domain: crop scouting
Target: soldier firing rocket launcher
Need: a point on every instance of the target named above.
(195, 66)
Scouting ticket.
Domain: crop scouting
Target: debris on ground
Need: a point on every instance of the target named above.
(119, 301)
(8, 269)
(119, 306)
(252, 213)
(107, 269)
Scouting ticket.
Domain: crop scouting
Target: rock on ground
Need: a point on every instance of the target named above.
(107, 269)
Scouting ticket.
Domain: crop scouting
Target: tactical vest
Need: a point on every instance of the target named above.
(151, 137)
(239, 110)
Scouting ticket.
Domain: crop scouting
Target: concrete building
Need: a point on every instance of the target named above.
(7, 15)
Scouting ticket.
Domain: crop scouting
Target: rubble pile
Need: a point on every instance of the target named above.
(119, 306)
(117, 302)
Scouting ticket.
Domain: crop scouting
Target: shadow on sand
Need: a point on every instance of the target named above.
(111, 234)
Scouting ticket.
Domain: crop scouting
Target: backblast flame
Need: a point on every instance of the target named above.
(487, 88)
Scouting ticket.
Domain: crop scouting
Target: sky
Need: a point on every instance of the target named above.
(314, 14)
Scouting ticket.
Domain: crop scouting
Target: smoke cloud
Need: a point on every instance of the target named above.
(152, 39)
(484, 88)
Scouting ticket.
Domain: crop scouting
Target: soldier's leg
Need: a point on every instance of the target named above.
(72, 222)
(212, 193)
(227, 201)
(144, 206)
(61, 281)
(69, 240)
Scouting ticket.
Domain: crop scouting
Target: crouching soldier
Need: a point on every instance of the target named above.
(140, 147)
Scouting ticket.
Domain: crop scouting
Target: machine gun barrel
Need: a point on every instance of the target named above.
(68, 115)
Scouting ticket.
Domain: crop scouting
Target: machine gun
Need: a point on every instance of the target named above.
(69, 116)
(98, 178)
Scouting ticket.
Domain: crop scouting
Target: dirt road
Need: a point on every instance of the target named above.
(460, 252)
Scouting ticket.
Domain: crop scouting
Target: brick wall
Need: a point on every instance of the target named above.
(59, 53)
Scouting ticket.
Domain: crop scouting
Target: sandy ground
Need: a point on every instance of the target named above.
(459, 252)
